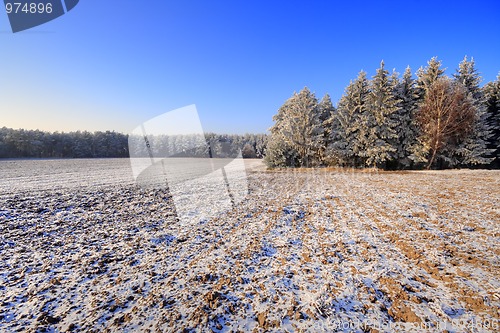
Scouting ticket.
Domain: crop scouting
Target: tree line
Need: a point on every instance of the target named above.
(393, 122)
(194, 145)
(21, 143)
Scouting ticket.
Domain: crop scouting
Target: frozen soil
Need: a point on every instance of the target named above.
(309, 250)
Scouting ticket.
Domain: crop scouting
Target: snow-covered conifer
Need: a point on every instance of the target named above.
(492, 102)
(407, 130)
(380, 120)
(297, 132)
(349, 132)
(473, 150)
(427, 76)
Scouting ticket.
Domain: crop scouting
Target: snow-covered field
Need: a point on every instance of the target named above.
(83, 248)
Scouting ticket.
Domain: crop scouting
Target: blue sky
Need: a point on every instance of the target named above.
(115, 64)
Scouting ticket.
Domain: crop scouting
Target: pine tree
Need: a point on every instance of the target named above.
(348, 132)
(380, 120)
(407, 131)
(473, 150)
(492, 103)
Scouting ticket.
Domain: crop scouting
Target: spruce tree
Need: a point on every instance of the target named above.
(492, 103)
(326, 115)
(380, 120)
(297, 136)
(473, 150)
(349, 133)
(427, 76)
(279, 153)
(407, 130)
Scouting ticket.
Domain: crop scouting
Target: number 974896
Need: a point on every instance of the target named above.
(28, 8)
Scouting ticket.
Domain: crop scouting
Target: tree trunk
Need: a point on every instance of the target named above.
(432, 159)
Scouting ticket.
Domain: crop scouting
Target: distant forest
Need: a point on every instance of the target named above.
(392, 122)
(39, 144)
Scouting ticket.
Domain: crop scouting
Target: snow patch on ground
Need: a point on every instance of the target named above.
(309, 250)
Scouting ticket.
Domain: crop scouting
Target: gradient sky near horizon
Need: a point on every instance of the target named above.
(111, 65)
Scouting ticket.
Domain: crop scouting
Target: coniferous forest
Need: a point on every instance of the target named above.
(39, 144)
(393, 122)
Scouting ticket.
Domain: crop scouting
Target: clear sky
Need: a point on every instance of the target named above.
(113, 64)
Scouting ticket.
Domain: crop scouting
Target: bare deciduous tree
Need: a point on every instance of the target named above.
(446, 116)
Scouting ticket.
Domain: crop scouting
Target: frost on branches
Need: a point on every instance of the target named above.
(298, 134)
(429, 121)
(474, 149)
